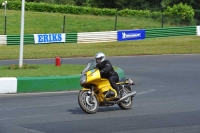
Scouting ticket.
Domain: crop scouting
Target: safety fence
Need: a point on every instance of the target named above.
(106, 36)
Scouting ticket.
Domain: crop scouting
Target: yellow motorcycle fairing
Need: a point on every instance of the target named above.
(102, 85)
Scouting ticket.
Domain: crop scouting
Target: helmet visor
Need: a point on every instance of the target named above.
(98, 60)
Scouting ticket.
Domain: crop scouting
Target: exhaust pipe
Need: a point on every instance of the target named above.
(128, 95)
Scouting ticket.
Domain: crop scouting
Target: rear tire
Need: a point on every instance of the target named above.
(127, 103)
(86, 104)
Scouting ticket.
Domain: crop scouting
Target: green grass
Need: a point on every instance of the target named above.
(44, 22)
(43, 70)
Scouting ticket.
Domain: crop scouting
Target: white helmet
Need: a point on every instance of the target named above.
(100, 56)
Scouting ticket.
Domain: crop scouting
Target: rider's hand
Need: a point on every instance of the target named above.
(102, 71)
(98, 65)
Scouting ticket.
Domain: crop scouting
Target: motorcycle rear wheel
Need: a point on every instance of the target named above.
(127, 103)
(86, 104)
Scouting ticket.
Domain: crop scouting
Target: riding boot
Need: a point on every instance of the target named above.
(118, 95)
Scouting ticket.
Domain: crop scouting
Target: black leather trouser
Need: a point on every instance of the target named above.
(113, 80)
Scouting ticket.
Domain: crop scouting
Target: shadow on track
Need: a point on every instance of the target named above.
(101, 109)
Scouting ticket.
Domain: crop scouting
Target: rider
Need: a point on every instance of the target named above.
(107, 71)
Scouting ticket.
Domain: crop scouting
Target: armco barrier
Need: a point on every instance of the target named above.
(42, 84)
(198, 30)
(174, 31)
(106, 36)
(3, 40)
(94, 37)
(71, 38)
(29, 39)
(15, 39)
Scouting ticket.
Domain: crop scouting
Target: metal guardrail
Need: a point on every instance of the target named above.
(174, 31)
(2, 40)
(29, 39)
(92, 37)
(15, 39)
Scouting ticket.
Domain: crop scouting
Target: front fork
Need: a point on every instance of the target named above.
(90, 93)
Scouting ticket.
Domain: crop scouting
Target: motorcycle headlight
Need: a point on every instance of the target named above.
(83, 79)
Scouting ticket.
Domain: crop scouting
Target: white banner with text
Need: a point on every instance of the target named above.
(49, 38)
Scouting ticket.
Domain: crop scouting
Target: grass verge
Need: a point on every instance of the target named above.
(42, 70)
(44, 22)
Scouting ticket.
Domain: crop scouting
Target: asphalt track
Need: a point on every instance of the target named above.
(167, 101)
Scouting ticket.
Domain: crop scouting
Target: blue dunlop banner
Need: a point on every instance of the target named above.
(125, 35)
(49, 38)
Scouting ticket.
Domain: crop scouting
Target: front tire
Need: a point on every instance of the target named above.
(84, 100)
(126, 103)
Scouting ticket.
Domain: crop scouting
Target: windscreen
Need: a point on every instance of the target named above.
(91, 65)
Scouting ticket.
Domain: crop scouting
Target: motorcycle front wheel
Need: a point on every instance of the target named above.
(126, 103)
(88, 103)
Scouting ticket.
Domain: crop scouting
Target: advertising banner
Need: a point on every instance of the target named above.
(198, 30)
(49, 38)
(130, 35)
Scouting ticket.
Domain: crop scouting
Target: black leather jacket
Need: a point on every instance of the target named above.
(106, 69)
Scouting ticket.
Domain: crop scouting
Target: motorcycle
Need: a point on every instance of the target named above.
(97, 91)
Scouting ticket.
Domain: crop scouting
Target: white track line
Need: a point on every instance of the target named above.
(145, 92)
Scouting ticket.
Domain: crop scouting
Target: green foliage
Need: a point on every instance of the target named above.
(197, 16)
(154, 5)
(181, 11)
(136, 13)
(16, 5)
(165, 3)
(67, 9)
(71, 9)
(184, 11)
(156, 15)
